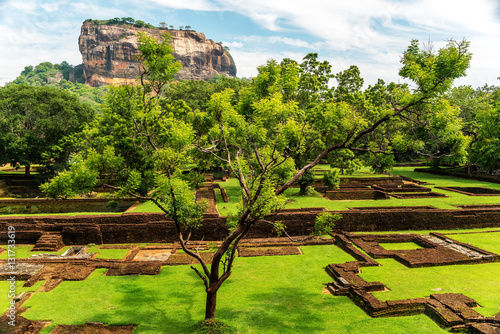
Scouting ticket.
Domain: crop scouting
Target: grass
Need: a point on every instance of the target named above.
(24, 252)
(486, 241)
(275, 294)
(5, 290)
(147, 207)
(107, 253)
(400, 245)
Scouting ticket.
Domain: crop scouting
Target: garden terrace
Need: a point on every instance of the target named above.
(46, 205)
(387, 181)
(434, 250)
(155, 227)
(14, 184)
(394, 208)
(355, 194)
(473, 191)
(464, 175)
(418, 195)
(449, 310)
(402, 188)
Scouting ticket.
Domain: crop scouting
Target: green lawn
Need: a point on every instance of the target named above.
(487, 241)
(147, 207)
(24, 252)
(107, 253)
(5, 290)
(400, 246)
(276, 294)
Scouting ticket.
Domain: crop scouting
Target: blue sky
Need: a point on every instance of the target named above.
(371, 34)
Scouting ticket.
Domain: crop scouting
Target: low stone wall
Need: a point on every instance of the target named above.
(417, 195)
(473, 191)
(155, 227)
(486, 178)
(358, 194)
(368, 181)
(404, 188)
(42, 205)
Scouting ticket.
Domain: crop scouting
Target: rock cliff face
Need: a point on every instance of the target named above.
(108, 54)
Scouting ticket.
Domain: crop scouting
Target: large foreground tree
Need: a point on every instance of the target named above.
(269, 137)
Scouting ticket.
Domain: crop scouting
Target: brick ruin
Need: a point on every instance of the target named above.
(449, 310)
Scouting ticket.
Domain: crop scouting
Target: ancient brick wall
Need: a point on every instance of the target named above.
(155, 227)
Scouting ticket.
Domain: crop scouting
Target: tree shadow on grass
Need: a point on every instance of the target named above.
(290, 310)
(157, 308)
(155, 304)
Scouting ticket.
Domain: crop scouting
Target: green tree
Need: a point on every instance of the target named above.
(128, 20)
(485, 151)
(287, 114)
(139, 24)
(34, 119)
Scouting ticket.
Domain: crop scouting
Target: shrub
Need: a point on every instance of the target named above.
(325, 222)
(331, 179)
(194, 179)
(306, 179)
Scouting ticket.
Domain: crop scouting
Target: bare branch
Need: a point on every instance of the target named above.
(257, 155)
(205, 282)
(274, 225)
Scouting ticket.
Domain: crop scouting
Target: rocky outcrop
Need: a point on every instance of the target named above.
(108, 54)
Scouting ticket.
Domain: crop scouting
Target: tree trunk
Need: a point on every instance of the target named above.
(210, 307)
(27, 170)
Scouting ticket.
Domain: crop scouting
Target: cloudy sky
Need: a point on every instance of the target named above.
(371, 34)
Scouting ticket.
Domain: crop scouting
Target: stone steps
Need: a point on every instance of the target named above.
(49, 242)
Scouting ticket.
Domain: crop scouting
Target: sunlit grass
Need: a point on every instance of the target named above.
(275, 294)
(24, 252)
(400, 246)
(107, 253)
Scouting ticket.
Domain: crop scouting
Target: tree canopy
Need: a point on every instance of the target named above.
(269, 135)
(34, 119)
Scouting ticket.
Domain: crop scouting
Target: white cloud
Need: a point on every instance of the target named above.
(373, 31)
(295, 42)
(237, 45)
(368, 33)
(248, 61)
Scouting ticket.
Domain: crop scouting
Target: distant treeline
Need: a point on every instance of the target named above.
(64, 76)
(136, 23)
(123, 20)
